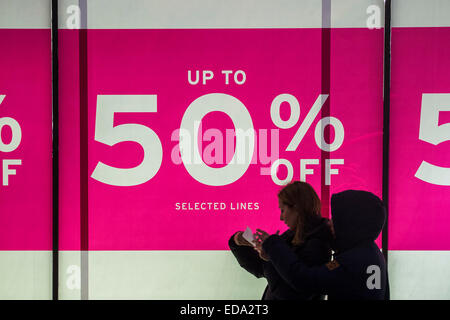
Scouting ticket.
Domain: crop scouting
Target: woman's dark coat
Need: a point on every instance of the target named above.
(359, 269)
(315, 250)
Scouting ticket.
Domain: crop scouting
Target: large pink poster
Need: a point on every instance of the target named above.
(420, 133)
(252, 97)
(25, 140)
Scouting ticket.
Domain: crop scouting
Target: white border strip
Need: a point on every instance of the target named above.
(25, 14)
(25, 275)
(217, 14)
(207, 275)
(423, 275)
(420, 13)
(173, 275)
(189, 275)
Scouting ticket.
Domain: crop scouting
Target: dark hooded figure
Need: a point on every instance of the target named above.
(358, 270)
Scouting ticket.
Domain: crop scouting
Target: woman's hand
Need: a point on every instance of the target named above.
(262, 254)
(260, 237)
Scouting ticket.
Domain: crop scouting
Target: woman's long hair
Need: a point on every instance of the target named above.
(301, 198)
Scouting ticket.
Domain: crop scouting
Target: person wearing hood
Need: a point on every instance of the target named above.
(358, 270)
(308, 238)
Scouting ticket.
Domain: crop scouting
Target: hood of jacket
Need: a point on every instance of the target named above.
(358, 216)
